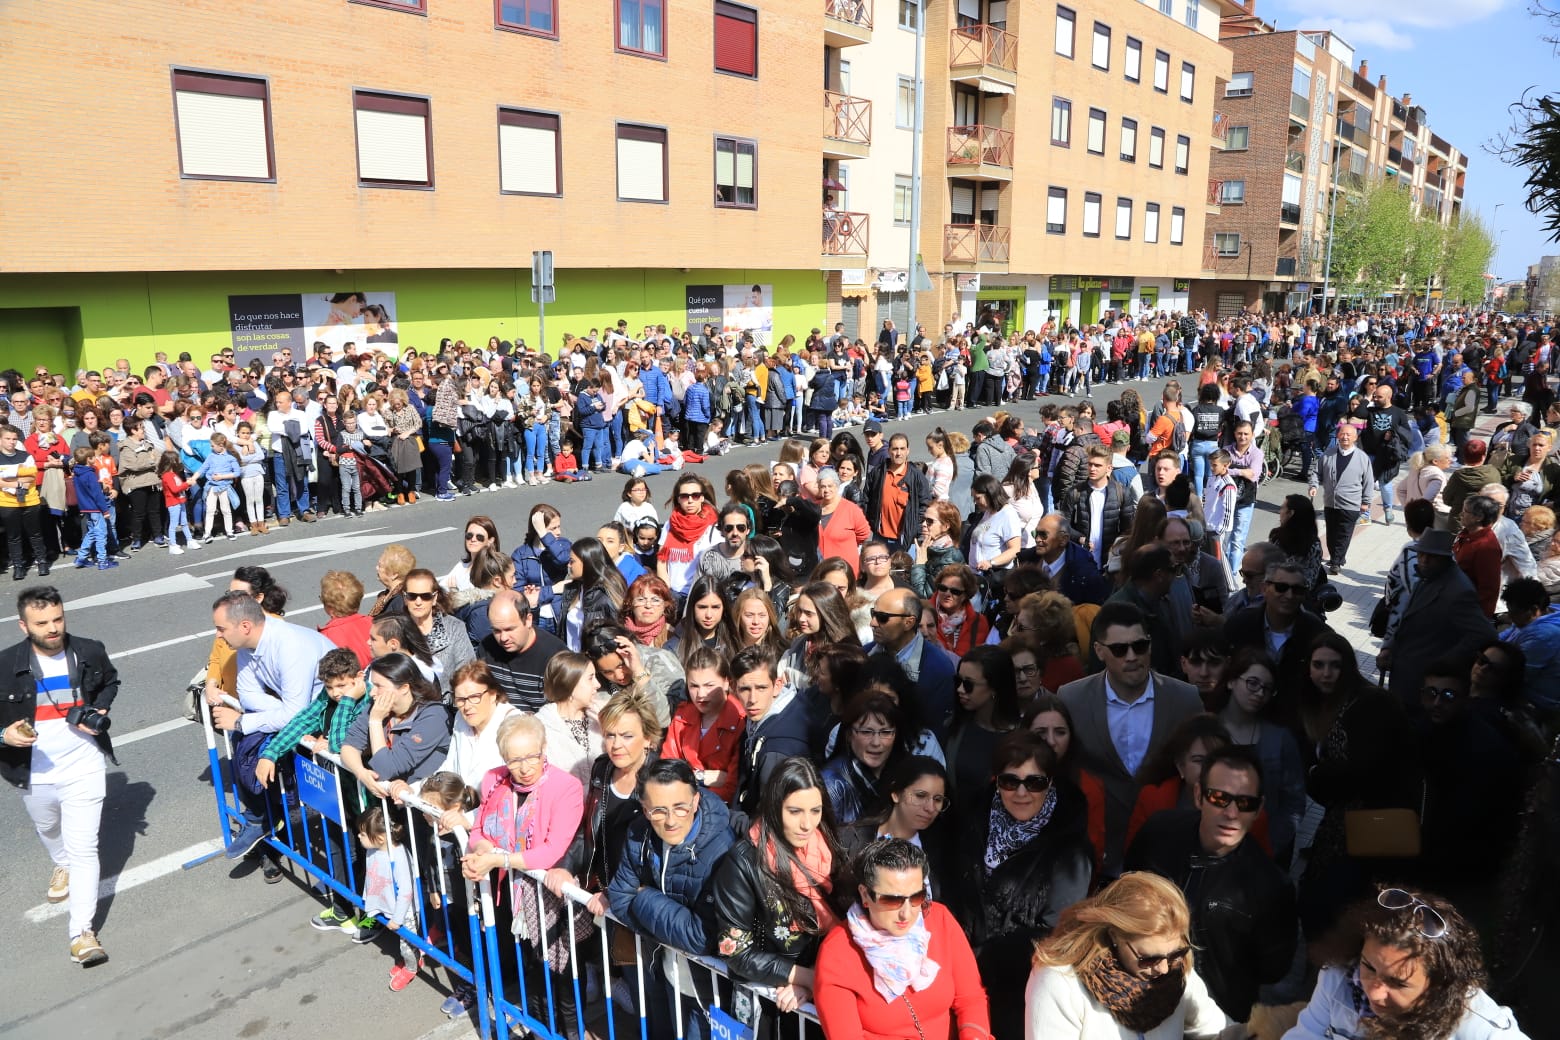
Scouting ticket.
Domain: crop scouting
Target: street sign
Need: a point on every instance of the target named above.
(542, 290)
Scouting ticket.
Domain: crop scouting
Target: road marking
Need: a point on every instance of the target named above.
(128, 879)
(151, 731)
(203, 634)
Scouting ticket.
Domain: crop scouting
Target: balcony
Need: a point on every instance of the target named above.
(1407, 165)
(844, 242)
(1350, 132)
(1215, 195)
(847, 23)
(1211, 258)
(1286, 267)
(1299, 107)
(980, 153)
(976, 247)
(1395, 156)
(1289, 213)
(1221, 128)
(1294, 162)
(985, 57)
(847, 126)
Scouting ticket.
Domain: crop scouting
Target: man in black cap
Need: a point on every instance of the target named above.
(877, 451)
(1443, 617)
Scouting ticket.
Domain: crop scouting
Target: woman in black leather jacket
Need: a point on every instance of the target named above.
(916, 790)
(871, 738)
(775, 891)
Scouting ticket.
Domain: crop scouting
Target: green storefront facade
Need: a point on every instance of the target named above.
(71, 321)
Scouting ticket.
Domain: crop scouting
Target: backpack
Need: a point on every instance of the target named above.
(1178, 432)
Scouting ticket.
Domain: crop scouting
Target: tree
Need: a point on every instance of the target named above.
(1373, 237)
(1533, 140)
(1466, 258)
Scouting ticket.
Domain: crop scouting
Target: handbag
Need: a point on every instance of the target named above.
(1384, 833)
(1378, 618)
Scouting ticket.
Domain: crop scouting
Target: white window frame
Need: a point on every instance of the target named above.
(1177, 226)
(1099, 49)
(1092, 203)
(1151, 222)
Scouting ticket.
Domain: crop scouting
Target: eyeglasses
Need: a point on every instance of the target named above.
(1431, 924)
(883, 617)
(476, 536)
(1034, 783)
(1442, 693)
(881, 558)
(1284, 588)
(1138, 647)
(420, 597)
(1156, 959)
(1246, 803)
(733, 528)
(461, 702)
(648, 601)
(937, 801)
(692, 496)
(886, 733)
(894, 902)
(1026, 670)
(524, 760)
(680, 811)
(1255, 685)
(951, 590)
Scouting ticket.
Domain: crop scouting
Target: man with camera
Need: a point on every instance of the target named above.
(55, 693)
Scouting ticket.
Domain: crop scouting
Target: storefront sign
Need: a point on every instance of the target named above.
(262, 325)
(1091, 283)
(1182, 285)
(966, 282)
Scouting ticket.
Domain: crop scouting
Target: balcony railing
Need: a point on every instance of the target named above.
(1221, 127)
(847, 118)
(845, 234)
(1286, 267)
(1295, 161)
(1289, 213)
(1299, 106)
(856, 12)
(1406, 165)
(1395, 156)
(980, 145)
(1348, 131)
(973, 46)
(1215, 193)
(975, 243)
(1210, 257)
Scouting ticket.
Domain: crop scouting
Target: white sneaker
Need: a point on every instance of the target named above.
(174, 550)
(193, 543)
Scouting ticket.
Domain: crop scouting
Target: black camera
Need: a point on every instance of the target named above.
(1328, 598)
(93, 720)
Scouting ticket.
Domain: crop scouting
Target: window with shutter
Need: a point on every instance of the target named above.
(394, 140)
(1091, 214)
(1151, 222)
(529, 153)
(1123, 218)
(1056, 211)
(1177, 225)
(641, 163)
(734, 174)
(223, 126)
(961, 203)
(736, 39)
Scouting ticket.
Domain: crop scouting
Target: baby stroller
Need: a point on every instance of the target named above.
(1285, 444)
(376, 474)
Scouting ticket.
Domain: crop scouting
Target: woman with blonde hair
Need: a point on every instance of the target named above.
(1119, 964)
(405, 445)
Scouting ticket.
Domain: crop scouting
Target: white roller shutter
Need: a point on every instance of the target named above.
(392, 146)
(528, 159)
(639, 170)
(221, 135)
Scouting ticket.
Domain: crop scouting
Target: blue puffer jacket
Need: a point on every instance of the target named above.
(545, 566)
(823, 396)
(1334, 1011)
(696, 407)
(665, 893)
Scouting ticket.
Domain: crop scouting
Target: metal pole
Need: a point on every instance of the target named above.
(1332, 216)
(915, 165)
(1495, 263)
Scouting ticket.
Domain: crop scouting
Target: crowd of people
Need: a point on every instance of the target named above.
(740, 717)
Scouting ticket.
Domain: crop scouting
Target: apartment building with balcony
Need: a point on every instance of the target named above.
(173, 176)
(1065, 156)
(1302, 123)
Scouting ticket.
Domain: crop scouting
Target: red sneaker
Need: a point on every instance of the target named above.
(401, 976)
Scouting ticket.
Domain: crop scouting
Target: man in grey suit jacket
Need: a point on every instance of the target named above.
(1123, 716)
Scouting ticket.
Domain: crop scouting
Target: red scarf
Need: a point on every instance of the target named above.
(812, 878)
(962, 640)
(685, 529)
(646, 635)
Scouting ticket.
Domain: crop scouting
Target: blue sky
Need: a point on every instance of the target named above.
(1464, 61)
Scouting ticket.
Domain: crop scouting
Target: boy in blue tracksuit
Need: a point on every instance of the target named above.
(95, 506)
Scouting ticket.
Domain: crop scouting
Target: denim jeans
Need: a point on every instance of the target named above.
(94, 538)
(615, 432)
(288, 495)
(594, 454)
(904, 409)
(444, 454)
(176, 520)
(755, 419)
(536, 448)
(1199, 452)
(1235, 540)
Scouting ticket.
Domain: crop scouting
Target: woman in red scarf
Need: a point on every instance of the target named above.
(960, 627)
(775, 892)
(690, 529)
(648, 610)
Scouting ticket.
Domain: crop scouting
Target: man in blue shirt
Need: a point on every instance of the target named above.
(1308, 408)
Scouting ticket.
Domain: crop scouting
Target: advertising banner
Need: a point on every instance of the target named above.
(733, 309)
(264, 324)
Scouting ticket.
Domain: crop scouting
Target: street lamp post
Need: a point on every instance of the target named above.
(1332, 216)
(1495, 263)
(915, 166)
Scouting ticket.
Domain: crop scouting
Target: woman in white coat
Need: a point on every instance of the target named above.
(1119, 967)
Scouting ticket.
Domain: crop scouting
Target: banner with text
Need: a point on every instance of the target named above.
(733, 309)
(264, 325)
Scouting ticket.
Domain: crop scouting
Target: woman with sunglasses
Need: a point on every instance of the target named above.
(960, 627)
(901, 966)
(1243, 700)
(776, 893)
(1120, 965)
(691, 528)
(936, 547)
(987, 709)
(1415, 972)
(481, 532)
(1024, 858)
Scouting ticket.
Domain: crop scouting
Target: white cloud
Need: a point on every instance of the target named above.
(1389, 24)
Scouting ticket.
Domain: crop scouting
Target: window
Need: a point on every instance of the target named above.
(417, 6)
(1191, 14)
(1226, 243)
(223, 124)
(1091, 214)
(1096, 142)
(1165, 7)
(1183, 153)
(1123, 218)
(1232, 193)
(736, 39)
(639, 24)
(1056, 211)
(1061, 122)
(1162, 72)
(1100, 55)
(904, 191)
(1065, 21)
(1151, 222)
(1177, 225)
(394, 140)
(1156, 148)
(734, 174)
(1188, 80)
(530, 153)
(641, 163)
(1237, 138)
(904, 104)
(909, 14)
(1132, 64)
(530, 16)
(1128, 140)
(1240, 85)
(1301, 84)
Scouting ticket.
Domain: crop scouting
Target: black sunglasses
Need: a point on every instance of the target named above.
(1138, 646)
(952, 590)
(1246, 803)
(1283, 588)
(888, 902)
(1441, 693)
(883, 617)
(733, 528)
(420, 597)
(1156, 959)
(1034, 783)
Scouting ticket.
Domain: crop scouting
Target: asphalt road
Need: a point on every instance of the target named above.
(211, 950)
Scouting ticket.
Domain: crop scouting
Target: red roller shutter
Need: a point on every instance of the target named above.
(736, 39)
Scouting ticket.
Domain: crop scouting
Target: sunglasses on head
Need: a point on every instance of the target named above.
(1246, 803)
(1139, 647)
(893, 902)
(1431, 924)
(1034, 783)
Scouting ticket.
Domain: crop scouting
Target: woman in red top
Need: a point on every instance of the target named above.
(706, 729)
(1478, 551)
(842, 528)
(900, 965)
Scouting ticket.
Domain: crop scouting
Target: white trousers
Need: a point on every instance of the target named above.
(67, 817)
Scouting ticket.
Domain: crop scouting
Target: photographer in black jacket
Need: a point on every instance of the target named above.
(55, 693)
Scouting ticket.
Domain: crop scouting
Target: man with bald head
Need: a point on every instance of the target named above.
(516, 651)
(896, 630)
